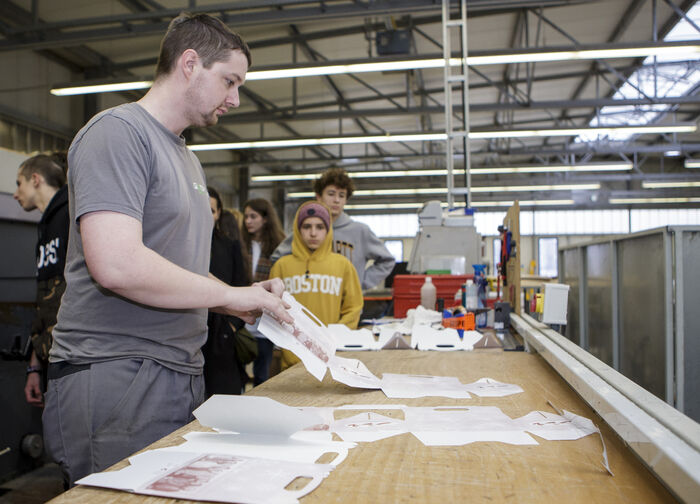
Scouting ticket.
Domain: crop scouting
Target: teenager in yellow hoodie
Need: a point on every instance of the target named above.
(326, 283)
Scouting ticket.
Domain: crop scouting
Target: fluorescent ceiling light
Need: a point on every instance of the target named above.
(628, 201)
(604, 130)
(371, 206)
(443, 190)
(101, 88)
(443, 172)
(308, 142)
(399, 65)
(561, 202)
(661, 185)
(691, 163)
(382, 206)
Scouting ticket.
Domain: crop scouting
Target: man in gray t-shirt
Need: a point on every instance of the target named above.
(126, 368)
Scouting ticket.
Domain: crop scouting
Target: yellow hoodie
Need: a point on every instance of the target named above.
(326, 283)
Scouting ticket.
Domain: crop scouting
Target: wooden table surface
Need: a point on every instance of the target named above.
(401, 469)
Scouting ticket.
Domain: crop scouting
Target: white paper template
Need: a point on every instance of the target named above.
(471, 338)
(368, 427)
(443, 339)
(293, 449)
(254, 416)
(307, 337)
(455, 426)
(211, 477)
(395, 342)
(488, 387)
(425, 337)
(555, 427)
(349, 340)
(411, 386)
(353, 372)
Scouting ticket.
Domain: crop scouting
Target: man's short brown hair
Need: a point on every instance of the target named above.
(46, 167)
(207, 35)
(334, 176)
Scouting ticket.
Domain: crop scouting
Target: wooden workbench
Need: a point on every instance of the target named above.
(401, 469)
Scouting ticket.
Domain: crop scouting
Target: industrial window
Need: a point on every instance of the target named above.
(656, 217)
(496, 254)
(391, 225)
(395, 247)
(548, 256)
(487, 222)
(568, 222)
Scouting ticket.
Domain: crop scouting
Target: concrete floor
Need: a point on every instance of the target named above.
(35, 487)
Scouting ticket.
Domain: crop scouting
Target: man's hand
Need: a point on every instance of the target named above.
(274, 285)
(248, 303)
(32, 390)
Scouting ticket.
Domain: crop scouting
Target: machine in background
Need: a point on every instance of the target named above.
(445, 241)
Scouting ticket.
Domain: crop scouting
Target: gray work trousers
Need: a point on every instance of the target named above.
(96, 415)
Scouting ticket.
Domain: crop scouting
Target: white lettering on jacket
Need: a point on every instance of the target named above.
(325, 284)
(48, 253)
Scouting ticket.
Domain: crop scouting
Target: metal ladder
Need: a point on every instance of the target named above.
(455, 133)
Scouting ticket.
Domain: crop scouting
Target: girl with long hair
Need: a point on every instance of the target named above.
(262, 232)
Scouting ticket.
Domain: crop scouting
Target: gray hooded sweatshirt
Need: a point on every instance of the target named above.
(359, 244)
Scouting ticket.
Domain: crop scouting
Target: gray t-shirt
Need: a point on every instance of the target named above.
(125, 161)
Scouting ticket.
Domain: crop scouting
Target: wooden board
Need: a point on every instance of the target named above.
(401, 470)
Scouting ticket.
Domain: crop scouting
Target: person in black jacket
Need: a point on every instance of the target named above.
(223, 374)
(41, 184)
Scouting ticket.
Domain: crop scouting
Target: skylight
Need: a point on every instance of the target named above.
(676, 75)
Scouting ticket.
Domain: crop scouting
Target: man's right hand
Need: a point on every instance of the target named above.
(248, 303)
(32, 390)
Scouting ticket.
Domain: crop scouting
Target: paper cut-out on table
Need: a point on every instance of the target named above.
(211, 477)
(300, 447)
(367, 427)
(488, 387)
(581, 423)
(411, 386)
(425, 337)
(349, 340)
(353, 372)
(253, 415)
(395, 342)
(454, 425)
(256, 463)
(260, 453)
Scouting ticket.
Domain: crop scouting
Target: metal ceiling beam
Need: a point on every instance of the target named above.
(662, 32)
(286, 115)
(242, 14)
(568, 149)
(36, 123)
(555, 150)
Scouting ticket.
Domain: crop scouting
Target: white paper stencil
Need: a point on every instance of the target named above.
(211, 477)
(353, 372)
(411, 386)
(349, 340)
(307, 338)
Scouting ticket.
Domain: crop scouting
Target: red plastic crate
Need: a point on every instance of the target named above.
(407, 290)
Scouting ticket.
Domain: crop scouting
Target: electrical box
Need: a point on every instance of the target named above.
(555, 299)
(393, 42)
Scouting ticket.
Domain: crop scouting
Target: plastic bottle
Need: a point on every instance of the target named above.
(428, 294)
(472, 296)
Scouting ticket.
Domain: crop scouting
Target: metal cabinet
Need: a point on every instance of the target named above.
(632, 305)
